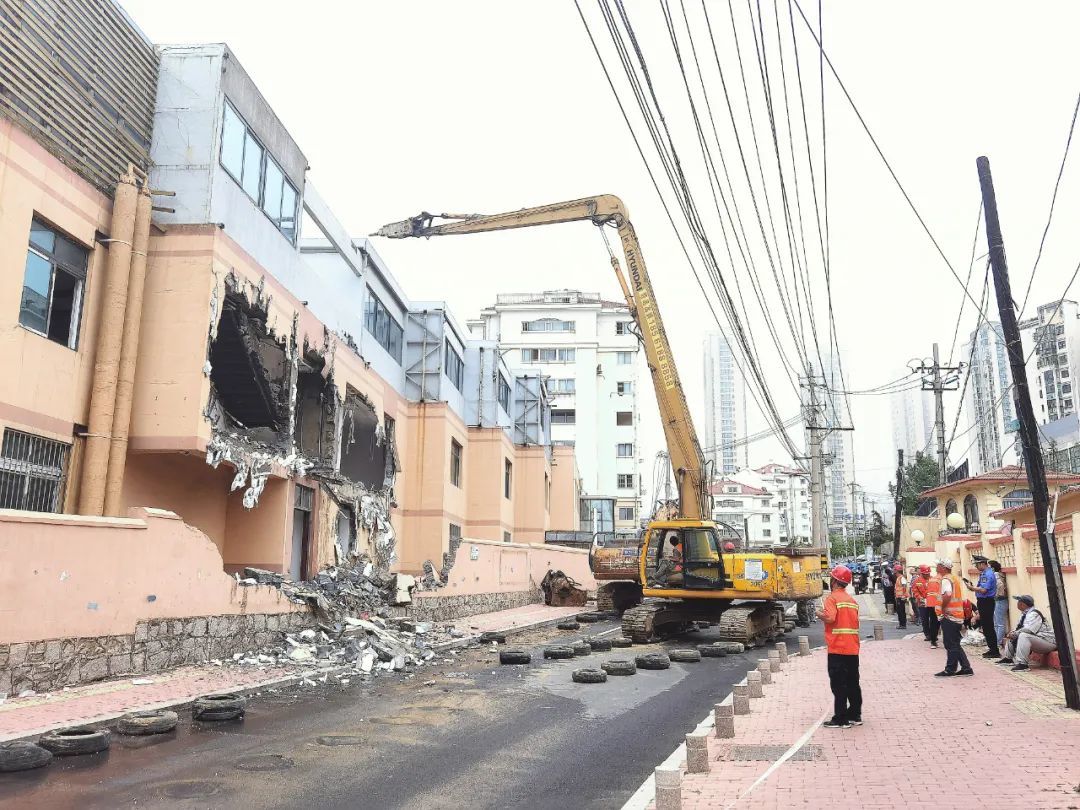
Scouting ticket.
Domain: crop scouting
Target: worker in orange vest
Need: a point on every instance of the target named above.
(840, 613)
(933, 600)
(950, 611)
(900, 595)
(920, 578)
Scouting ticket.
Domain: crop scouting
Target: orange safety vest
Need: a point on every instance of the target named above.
(900, 591)
(955, 609)
(918, 590)
(933, 592)
(842, 635)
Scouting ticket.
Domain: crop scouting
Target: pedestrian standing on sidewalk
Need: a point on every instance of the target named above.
(933, 601)
(920, 578)
(840, 613)
(900, 596)
(1001, 602)
(887, 580)
(913, 600)
(985, 591)
(950, 612)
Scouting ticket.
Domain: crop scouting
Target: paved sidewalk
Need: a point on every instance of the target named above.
(875, 765)
(106, 700)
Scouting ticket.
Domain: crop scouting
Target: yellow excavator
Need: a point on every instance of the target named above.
(657, 589)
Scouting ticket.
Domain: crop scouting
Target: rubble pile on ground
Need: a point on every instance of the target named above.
(356, 632)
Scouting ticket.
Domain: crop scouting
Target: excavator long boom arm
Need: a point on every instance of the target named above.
(683, 447)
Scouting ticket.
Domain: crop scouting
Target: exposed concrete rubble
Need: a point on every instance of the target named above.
(432, 579)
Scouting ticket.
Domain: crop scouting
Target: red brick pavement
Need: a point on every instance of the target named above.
(876, 765)
(106, 700)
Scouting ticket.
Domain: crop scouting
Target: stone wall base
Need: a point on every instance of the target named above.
(447, 608)
(157, 645)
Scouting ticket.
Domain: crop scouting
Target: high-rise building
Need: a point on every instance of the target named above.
(586, 349)
(913, 421)
(725, 397)
(836, 441)
(1052, 340)
(991, 440)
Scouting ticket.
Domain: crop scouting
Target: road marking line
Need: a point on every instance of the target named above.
(803, 740)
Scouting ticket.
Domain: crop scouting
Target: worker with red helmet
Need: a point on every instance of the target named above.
(900, 595)
(840, 613)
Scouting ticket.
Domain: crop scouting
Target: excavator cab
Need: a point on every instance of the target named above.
(697, 565)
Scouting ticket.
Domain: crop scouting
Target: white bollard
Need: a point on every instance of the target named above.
(804, 645)
(697, 753)
(766, 671)
(879, 632)
(774, 661)
(753, 680)
(668, 788)
(781, 647)
(724, 717)
(740, 697)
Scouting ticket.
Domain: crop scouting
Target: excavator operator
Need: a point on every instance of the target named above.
(669, 571)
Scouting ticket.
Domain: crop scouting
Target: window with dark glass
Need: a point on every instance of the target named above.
(624, 418)
(249, 164)
(626, 481)
(455, 463)
(508, 475)
(53, 281)
(504, 393)
(455, 369)
(566, 416)
(381, 325)
(33, 471)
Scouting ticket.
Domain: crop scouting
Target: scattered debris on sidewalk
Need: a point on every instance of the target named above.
(562, 591)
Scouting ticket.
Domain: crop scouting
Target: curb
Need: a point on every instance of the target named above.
(279, 682)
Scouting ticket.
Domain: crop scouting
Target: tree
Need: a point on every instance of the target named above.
(920, 475)
(839, 546)
(878, 535)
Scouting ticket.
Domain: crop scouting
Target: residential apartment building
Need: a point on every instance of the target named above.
(836, 442)
(791, 489)
(769, 505)
(725, 405)
(988, 403)
(743, 511)
(912, 421)
(256, 396)
(1051, 339)
(586, 350)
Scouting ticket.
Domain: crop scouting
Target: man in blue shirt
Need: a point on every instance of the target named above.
(985, 591)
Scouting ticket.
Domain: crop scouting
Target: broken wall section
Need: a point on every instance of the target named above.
(275, 409)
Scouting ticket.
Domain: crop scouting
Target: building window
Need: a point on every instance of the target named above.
(547, 492)
(626, 513)
(1018, 497)
(455, 369)
(32, 472)
(548, 325)
(547, 355)
(508, 477)
(766, 518)
(382, 326)
(53, 283)
(507, 538)
(624, 418)
(247, 162)
(624, 358)
(622, 328)
(562, 386)
(624, 450)
(566, 416)
(455, 531)
(626, 481)
(766, 532)
(624, 388)
(455, 463)
(504, 393)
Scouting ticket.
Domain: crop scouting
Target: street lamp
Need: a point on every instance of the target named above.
(955, 521)
(918, 536)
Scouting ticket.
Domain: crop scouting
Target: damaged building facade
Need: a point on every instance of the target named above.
(211, 389)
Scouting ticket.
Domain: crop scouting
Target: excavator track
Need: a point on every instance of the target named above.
(643, 622)
(617, 597)
(752, 624)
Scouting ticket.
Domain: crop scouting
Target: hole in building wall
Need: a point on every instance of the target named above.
(248, 367)
(363, 455)
(315, 408)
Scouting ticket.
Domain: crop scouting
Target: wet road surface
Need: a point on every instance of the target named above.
(464, 733)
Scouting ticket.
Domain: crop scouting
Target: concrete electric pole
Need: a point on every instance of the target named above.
(896, 515)
(939, 379)
(1029, 438)
(816, 436)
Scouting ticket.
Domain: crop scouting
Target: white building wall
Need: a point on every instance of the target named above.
(836, 443)
(912, 421)
(789, 503)
(1052, 340)
(596, 373)
(988, 404)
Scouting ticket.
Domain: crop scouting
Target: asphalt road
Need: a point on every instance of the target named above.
(464, 733)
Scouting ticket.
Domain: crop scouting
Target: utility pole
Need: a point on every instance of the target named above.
(854, 547)
(816, 434)
(939, 379)
(896, 516)
(1029, 438)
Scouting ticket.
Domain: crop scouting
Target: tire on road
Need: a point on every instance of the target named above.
(685, 656)
(619, 666)
(514, 657)
(622, 641)
(571, 625)
(219, 707)
(75, 741)
(138, 724)
(656, 660)
(600, 644)
(589, 618)
(23, 755)
(589, 676)
(559, 652)
(711, 651)
(498, 638)
(581, 648)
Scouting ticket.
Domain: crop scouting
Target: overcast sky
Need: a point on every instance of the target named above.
(488, 106)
